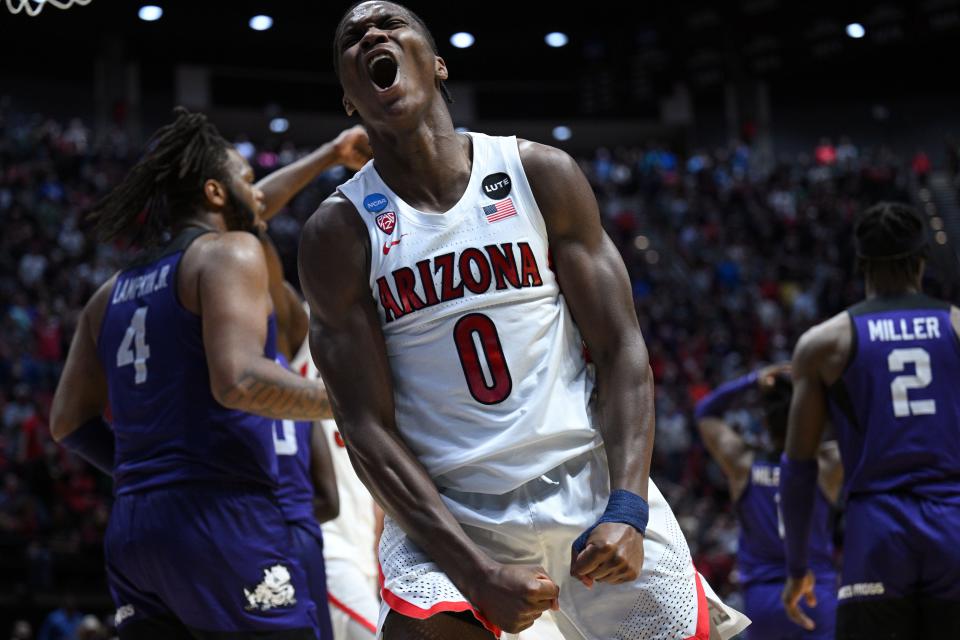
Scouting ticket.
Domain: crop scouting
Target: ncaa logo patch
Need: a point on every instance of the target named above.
(375, 202)
(387, 221)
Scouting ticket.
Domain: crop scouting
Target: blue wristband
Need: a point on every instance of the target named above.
(94, 442)
(624, 507)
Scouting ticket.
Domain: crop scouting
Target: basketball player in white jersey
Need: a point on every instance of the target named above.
(455, 365)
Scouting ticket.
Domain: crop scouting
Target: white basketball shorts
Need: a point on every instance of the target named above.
(354, 605)
(536, 524)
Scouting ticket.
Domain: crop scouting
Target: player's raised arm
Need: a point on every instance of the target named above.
(232, 283)
(349, 350)
(594, 281)
(351, 149)
(291, 316)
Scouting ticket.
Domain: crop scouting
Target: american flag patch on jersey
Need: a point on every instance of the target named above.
(500, 210)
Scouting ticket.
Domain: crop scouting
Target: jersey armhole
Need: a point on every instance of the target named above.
(103, 320)
(510, 150)
(181, 244)
(854, 346)
(953, 330)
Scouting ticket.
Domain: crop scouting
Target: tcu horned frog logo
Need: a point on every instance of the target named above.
(387, 221)
(273, 591)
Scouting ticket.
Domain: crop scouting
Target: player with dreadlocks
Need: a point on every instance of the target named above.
(886, 370)
(182, 344)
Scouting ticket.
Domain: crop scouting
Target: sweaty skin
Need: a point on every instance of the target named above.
(428, 165)
(222, 277)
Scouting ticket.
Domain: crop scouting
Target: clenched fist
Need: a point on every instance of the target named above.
(614, 554)
(513, 596)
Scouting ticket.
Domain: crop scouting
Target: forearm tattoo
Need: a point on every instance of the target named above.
(267, 396)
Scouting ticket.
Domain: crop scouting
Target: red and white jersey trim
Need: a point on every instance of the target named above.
(411, 610)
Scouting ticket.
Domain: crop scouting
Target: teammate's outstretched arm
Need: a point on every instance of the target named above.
(350, 148)
(594, 281)
(291, 316)
(348, 347)
(81, 396)
(235, 302)
(799, 469)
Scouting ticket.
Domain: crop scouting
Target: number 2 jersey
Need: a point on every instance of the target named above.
(169, 428)
(897, 408)
(490, 380)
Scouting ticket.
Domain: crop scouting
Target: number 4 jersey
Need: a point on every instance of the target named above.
(490, 380)
(896, 408)
(169, 427)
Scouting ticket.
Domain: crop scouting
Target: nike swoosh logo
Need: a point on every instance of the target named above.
(390, 245)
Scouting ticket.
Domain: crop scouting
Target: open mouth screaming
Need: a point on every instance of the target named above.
(383, 71)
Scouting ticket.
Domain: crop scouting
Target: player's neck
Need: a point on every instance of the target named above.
(427, 166)
(875, 291)
(203, 220)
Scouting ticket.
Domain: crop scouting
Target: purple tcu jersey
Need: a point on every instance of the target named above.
(291, 440)
(760, 555)
(896, 408)
(168, 426)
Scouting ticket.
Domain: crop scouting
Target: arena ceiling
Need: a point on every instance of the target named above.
(620, 59)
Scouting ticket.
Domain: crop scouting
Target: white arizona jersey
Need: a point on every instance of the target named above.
(352, 534)
(490, 380)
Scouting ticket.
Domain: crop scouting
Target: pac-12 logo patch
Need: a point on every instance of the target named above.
(497, 186)
(387, 221)
(375, 202)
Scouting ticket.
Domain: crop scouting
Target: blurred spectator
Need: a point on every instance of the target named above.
(62, 623)
(921, 167)
(730, 261)
(825, 153)
(21, 631)
(90, 628)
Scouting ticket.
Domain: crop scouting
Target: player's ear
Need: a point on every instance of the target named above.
(348, 106)
(440, 69)
(215, 193)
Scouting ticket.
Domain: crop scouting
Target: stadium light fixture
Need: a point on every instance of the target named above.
(462, 40)
(562, 133)
(150, 13)
(556, 39)
(279, 125)
(855, 30)
(261, 23)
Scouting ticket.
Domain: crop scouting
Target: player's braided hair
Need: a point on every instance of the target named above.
(891, 245)
(413, 16)
(166, 182)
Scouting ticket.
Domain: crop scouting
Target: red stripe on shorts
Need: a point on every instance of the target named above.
(356, 617)
(411, 610)
(703, 612)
